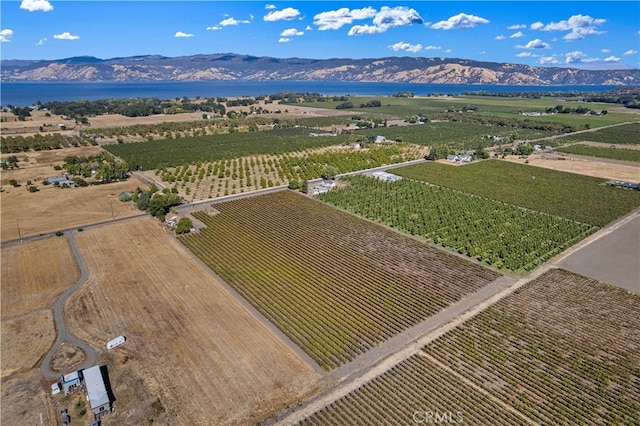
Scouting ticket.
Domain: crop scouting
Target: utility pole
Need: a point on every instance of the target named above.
(112, 216)
(18, 225)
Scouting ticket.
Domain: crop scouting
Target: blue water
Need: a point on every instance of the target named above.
(25, 94)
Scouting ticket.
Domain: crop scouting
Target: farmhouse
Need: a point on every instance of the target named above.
(71, 381)
(386, 177)
(60, 180)
(460, 158)
(96, 391)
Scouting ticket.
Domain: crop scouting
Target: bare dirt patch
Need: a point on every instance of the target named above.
(35, 273)
(50, 209)
(25, 340)
(193, 351)
(583, 166)
(66, 357)
(25, 400)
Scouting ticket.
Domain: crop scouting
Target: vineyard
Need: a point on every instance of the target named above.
(619, 135)
(335, 284)
(408, 394)
(205, 180)
(562, 350)
(603, 152)
(576, 197)
(498, 234)
(174, 152)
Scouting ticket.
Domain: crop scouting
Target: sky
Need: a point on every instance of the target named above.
(540, 33)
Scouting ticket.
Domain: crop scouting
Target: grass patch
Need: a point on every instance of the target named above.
(602, 152)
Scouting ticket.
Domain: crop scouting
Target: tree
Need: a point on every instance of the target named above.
(294, 184)
(184, 226)
(329, 172)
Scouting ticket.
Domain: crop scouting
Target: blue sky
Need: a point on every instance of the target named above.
(536, 33)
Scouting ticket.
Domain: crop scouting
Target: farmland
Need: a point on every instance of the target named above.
(581, 198)
(496, 233)
(412, 392)
(209, 180)
(618, 135)
(531, 358)
(335, 284)
(537, 351)
(193, 351)
(174, 152)
(602, 152)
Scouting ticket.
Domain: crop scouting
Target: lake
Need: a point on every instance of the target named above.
(27, 93)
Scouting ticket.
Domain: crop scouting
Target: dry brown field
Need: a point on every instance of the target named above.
(194, 353)
(24, 213)
(34, 274)
(606, 169)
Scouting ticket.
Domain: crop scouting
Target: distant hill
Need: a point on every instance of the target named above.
(231, 67)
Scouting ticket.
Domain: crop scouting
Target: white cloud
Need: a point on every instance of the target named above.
(432, 48)
(612, 59)
(461, 20)
(578, 25)
(270, 6)
(5, 35)
(284, 40)
(335, 19)
(548, 60)
(66, 36)
(214, 28)
(605, 50)
(534, 44)
(365, 29)
(388, 17)
(308, 28)
(516, 27)
(232, 21)
(286, 14)
(517, 35)
(35, 5)
(41, 42)
(406, 47)
(574, 57)
(181, 34)
(290, 32)
(500, 37)
(536, 25)
(523, 54)
(630, 52)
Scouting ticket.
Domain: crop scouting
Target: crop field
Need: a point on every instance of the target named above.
(413, 392)
(576, 197)
(487, 105)
(458, 135)
(619, 135)
(335, 284)
(193, 352)
(174, 152)
(561, 350)
(498, 234)
(603, 152)
(226, 177)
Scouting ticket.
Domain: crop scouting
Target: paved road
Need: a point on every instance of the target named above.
(62, 335)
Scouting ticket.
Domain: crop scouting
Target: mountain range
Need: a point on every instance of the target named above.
(230, 67)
